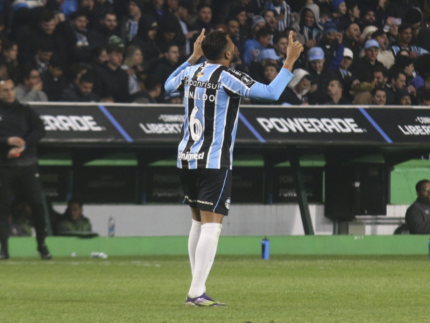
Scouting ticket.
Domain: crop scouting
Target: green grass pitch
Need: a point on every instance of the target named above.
(153, 289)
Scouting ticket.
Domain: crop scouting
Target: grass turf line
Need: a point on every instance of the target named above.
(153, 289)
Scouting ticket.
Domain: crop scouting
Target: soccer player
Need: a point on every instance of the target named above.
(205, 154)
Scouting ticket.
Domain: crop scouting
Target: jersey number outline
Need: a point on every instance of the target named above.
(196, 127)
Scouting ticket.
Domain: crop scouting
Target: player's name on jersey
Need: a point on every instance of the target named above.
(203, 84)
(191, 156)
(199, 96)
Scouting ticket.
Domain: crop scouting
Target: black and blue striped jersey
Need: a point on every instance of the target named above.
(212, 94)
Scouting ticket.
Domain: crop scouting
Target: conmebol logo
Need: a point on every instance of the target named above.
(311, 125)
(70, 123)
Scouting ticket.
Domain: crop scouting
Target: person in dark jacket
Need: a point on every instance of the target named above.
(204, 20)
(418, 214)
(298, 88)
(168, 64)
(73, 220)
(82, 92)
(53, 80)
(111, 79)
(145, 40)
(81, 49)
(20, 130)
(107, 29)
(130, 24)
(153, 88)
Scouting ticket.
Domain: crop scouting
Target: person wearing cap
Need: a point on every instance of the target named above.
(298, 88)
(53, 80)
(130, 24)
(331, 43)
(309, 28)
(405, 43)
(253, 47)
(385, 56)
(320, 76)
(343, 73)
(351, 38)
(379, 96)
(257, 67)
(335, 92)
(369, 61)
(258, 22)
(396, 82)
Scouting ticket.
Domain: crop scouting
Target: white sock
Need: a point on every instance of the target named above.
(204, 258)
(193, 239)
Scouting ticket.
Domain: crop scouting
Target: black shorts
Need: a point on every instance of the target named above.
(207, 189)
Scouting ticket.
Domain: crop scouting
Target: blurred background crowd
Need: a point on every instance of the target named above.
(356, 52)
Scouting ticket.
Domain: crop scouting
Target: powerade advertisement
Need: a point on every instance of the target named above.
(163, 124)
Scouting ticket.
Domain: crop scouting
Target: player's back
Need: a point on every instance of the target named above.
(211, 115)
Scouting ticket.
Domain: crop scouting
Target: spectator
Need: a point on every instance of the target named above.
(405, 43)
(380, 75)
(106, 31)
(418, 214)
(368, 17)
(270, 19)
(10, 55)
(156, 10)
(53, 81)
(379, 96)
(75, 73)
(280, 44)
(351, 39)
(204, 20)
(99, 56)
(369, 61)
(130, 25)
(153, 86)
(331, 43)
(21, 129)
(241, 15)
(397, 82)
(45, 50)
(73, 220)
(298, 88)
(335, 89)
(309, 28)
(406, 64)
(100, 7)
(343, 73)
(253, 47)
(168, 64)
(233, 30)
(133, 64)
(31, 88)
(81, 50)
(181, 16)
(320, 76)
(403, 97)
(353, 13)
(112, 80)
(283, 15)
(167, 35)
(146, 42)
(82, 92)
(258, 22)
(385, 56)
(339, 16)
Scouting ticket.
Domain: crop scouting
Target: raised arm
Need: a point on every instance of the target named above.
(174, 81)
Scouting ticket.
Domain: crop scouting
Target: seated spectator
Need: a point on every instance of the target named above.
(73, 220)
(10, 55)
(253, 47)
(111, 79)
(31, 88)
(309, 27)
(173, 97)
(53, 80)
(331, 44)
(204, 20)
(298, 88)
(353, 13)
(335, 89)
(344, 73)
(82, 47)
(167, 35)
(153, 86)
(368, 16)
(270, 19)
(74, 74)
(130, 25)
(233, 30)
(351, 38)
(379, 97)
(107, 29)
(396, 82)
(339, 16)
(320, 76)
(82, 92)
(418, 214)
(405, 42)
(385, 56)
(40, 61)
(380, 75)
(133, 64)
(99, 8)
(403, 97)
(167, 65)
(99, 56)
(369, 61)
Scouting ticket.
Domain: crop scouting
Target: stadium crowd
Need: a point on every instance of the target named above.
(363, 52)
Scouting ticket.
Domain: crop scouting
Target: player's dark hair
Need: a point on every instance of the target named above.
(87, 77)
(420, 183)
(378, 89)
(403, 27)
(214, 44)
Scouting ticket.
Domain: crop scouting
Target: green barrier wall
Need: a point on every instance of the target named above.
(280, 245)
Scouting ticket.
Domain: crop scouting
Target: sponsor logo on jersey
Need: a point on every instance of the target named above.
(199, 96)
(310, 125)
(203, 84)
(190, 156)
(70, 123)
(247, 80)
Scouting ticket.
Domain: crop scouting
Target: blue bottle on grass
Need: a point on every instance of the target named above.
(265, 249)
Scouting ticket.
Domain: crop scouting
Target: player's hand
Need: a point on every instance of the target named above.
(198, 52)
(15, 141)
(294, 49)
(15, 152)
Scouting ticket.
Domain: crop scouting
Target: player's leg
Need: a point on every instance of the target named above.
(213, 202)
(194, 236)
(7, 176)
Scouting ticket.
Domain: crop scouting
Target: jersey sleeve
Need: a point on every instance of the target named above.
(240, 84)
(175, 82)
